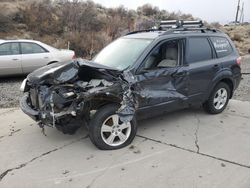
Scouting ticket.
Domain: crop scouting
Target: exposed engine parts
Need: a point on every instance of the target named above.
(66, 100)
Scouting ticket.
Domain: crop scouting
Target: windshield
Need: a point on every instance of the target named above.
(122, 53)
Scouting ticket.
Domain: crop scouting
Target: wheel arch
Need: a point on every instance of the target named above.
(101, 100)
(230, 83)
(226, 77)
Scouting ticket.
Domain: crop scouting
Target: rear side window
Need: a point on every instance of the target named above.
(31, 48)
(9, 49)
(222, 46)
(198, 49)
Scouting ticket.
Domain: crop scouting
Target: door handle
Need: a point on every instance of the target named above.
(15, 59)
(179, 74)
(46, 57)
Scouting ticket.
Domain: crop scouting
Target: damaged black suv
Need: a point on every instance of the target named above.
(140, 75)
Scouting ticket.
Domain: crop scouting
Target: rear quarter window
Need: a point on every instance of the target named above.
(198, 49)
(222, 46)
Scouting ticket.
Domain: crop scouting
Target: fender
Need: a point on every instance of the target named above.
(222, 75)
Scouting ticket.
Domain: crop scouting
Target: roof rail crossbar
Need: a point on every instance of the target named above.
(180, 24)
(189, 24)
(141, 31)
(171, 26)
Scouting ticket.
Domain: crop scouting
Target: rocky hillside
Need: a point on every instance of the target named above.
(87, 26)
(241, 37)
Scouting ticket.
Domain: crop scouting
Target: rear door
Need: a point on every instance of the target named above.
(10, 59)
(203, 66)
(34, 56)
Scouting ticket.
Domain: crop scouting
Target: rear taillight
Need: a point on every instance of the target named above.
(238, 61)
(74, 56)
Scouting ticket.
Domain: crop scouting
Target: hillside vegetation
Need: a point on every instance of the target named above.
(241, 37)
(84, 25)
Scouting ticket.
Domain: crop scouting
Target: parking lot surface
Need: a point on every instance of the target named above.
(187, 148)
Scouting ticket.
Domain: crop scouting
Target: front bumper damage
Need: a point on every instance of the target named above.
(34, 114)
(66, 101)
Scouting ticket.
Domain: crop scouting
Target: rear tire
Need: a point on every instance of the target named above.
(218, 99)
(107, 132)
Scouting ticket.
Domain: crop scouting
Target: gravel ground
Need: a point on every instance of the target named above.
(9, 91)
(10, 94)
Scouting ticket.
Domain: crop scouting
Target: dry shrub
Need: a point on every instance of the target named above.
(237, 37)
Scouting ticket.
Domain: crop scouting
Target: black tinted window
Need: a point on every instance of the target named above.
(9, 49)
(31, 48)
(198, 49)
(222, 46)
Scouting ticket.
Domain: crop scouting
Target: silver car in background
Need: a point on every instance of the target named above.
(24, 56)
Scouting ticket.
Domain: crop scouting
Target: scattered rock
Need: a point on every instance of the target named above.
(90, 157)
(154, 166)
(13, 131)
(223, 165)
(137, 151)
(65, 172)
(132, 147)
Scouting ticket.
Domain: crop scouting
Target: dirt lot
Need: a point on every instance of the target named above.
(10, 94)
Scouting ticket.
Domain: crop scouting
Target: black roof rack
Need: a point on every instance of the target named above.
(178, 26)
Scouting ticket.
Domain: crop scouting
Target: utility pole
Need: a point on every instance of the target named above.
(242, 13)
(237, 12)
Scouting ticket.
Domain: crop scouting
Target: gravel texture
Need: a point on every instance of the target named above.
(10, 93)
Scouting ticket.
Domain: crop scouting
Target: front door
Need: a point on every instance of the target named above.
(162, 79)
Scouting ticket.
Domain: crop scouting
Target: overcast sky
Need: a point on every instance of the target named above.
(210, 10)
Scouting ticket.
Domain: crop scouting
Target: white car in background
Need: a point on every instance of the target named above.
(24, 56)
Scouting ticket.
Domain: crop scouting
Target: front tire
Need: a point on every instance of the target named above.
(108, 132)
(218, 99)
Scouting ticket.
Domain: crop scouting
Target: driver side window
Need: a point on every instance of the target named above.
(164, 55)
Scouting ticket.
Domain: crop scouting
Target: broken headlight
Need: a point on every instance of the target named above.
(23, 87)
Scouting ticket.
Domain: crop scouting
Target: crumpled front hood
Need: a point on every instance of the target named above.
(57, 73)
